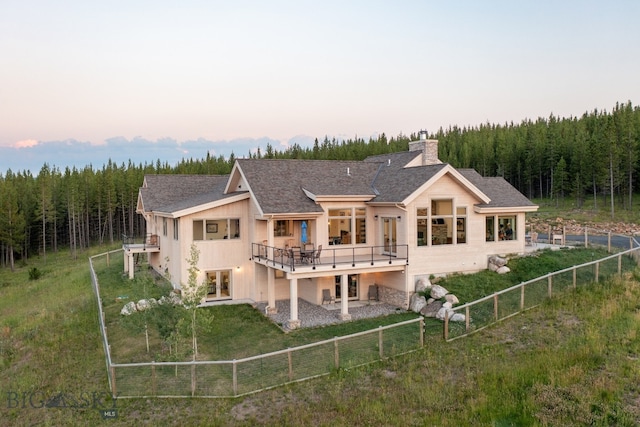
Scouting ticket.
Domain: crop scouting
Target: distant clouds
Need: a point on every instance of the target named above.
(31, 155)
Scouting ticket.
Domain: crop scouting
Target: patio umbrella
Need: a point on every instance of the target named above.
(303, 237)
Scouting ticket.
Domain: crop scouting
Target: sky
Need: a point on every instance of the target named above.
(83, 82)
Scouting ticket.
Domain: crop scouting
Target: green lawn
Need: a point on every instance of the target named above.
(571, 361)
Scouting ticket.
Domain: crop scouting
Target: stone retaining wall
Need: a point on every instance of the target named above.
(394, 297)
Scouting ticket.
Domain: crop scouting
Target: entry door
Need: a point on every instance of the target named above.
(389, 235)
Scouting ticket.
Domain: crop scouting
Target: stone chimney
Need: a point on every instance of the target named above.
(429, 148)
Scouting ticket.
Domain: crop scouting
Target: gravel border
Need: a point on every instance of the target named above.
(311, 315)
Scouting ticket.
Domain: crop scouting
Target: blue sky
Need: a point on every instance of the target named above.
(82, 82)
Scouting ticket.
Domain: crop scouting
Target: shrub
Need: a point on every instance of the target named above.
(34, 273)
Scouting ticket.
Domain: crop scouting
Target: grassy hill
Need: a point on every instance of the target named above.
(572, 361)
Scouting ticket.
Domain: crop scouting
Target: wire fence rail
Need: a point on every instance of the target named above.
(509, 302)
(234, 378)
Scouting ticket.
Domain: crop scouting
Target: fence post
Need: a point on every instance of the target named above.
(153, 378)
(108, 260)
(290, 361)
(446, 326)
(114, 391)
(193, 379)
(521, 296)
(336, 353)
(549, 285)
(575, 277)
(597, 271)
(619, 264)
(235, 377)
(495, 306)
(586, 238)
(609, 242)
(422, 331)
(467, 319)
(380, 343)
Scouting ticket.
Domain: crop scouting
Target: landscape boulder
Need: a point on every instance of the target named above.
(128, 309)
(451, 298)
(438, 292)
(440, 315)
(423, 284)
(417, 303)
(431, 309)
(503, 270)
(457, 317)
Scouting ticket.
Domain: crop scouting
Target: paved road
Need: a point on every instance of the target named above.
(616, 240)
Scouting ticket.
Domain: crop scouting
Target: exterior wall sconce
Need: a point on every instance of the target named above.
(399, 218)
(375, 217)
(237, 267)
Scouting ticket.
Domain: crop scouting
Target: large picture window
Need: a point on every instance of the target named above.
(347, 226)
(216, 229)
(442, 222)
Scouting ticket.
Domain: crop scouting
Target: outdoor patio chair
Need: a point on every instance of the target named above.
(296, 254)
(326, 296)
(373, 292)
(316, 256)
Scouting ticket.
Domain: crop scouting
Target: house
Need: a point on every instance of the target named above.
(289, 229)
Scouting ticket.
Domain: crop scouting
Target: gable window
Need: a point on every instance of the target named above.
(216, 229)
(164, 226)
(176, 222)
(441, 222)
(347, 226)
(421, 226)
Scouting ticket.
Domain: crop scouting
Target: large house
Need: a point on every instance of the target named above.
(328, 230)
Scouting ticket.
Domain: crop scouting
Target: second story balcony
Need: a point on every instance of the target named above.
(308, 259)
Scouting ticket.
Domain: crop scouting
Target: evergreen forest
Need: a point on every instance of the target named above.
(594, 156)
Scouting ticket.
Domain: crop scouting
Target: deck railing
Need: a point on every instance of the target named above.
(280, 257)
(148, 240)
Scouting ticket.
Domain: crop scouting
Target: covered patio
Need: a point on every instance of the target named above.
(312, 315)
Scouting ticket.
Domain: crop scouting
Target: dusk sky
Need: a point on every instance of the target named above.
(82, 81)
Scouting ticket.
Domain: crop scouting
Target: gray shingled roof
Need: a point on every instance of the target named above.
(394, 182)
(172, 193)
(278, 184)
(501, 193)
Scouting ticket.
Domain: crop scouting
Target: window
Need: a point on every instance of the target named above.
(164, 226)
(421, 226)
(490, 229)
(461, 224)
(347, 226)
(506, 228)
(176, 222)
(441, 222)
(282, 228)
(216, 229)
(219, 284)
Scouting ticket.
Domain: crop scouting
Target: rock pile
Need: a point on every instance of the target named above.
(145, 304)
(439, 304)
(498, 264)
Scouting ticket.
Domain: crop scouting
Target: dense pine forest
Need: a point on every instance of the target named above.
(593, 156)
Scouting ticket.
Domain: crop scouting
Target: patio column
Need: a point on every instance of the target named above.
(271, 292)
(293, 322)
(130, 264)
(344, 298)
